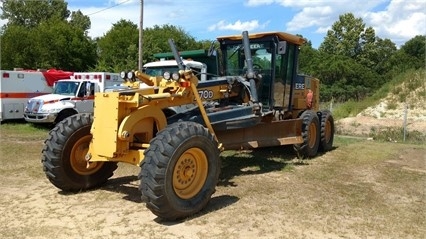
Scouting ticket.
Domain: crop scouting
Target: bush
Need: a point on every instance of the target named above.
(396, 134)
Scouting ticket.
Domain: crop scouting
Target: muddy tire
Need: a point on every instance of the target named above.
(63, 156)
(180, 170)
(327, 131)
(310, 135)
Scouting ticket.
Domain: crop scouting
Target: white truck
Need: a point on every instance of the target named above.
(18, 86)
(157, 68)
(70, 97)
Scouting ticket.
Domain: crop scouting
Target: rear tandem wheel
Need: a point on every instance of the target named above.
(327, 131)
(310, 135)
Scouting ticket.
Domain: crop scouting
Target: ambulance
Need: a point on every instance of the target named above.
(18, 86)
(70, 97)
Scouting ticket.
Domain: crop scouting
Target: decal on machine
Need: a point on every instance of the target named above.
(299, 86)
(206, 94)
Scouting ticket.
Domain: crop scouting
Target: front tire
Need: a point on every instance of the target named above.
(63, 156)
(310, 135)
(180, 170)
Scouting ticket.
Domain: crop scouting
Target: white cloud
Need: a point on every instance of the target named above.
(238, 26)
(323, 13)
(311, 16)
(323, 30)
(155, 12)
(400, 21)
(254, 3)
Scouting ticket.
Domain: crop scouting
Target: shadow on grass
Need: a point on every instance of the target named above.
(258, 161)
(43, 126)
(13, 121)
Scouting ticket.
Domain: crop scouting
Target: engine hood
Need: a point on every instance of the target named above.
(50, 97)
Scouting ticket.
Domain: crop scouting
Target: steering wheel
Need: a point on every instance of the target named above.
(257, 67)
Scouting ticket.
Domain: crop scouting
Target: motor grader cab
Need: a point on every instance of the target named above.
(259, 101)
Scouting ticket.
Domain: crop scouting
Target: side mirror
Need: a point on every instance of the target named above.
(87, 93)
(282, 47)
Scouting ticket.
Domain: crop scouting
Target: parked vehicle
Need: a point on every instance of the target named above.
(18, 86)
(157, 68)
(70, 97)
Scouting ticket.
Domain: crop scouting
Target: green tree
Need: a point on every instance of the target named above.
(415, 48)
(61, 45)
(344, 38)
(385, 49)
(81, 21)
(362, 59)
(118, 48)
(16, 46)
(38, 35)
(308, 59)
(411, 55)
(30, 13)
(156, 40)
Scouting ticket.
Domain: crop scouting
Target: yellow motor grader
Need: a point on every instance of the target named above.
(259, 100)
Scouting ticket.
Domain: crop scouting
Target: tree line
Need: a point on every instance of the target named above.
(352, 62)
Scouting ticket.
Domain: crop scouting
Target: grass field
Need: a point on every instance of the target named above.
(361, 189)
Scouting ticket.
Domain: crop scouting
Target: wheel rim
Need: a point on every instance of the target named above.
(77, 157)
(312, 135)
(190, 173)
(327, 131)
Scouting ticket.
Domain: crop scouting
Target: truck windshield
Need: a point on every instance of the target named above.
(66, 88)
(158, 71)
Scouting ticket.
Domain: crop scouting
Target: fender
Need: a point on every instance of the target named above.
(133, 124)
(146, 111)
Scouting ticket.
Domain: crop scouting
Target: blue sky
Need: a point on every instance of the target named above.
(398, 20)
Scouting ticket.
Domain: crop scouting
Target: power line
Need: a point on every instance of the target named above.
(118, 4)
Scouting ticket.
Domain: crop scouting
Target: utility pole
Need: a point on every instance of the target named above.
(140, 37)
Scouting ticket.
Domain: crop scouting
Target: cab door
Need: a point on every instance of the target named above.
(85, 98)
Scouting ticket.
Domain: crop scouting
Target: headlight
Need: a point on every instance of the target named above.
(131, 75)
(123, 75)
(175, 76)
(166, 75)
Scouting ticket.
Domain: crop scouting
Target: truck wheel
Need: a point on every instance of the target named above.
(63, 156)
(64, 114)
(310, 135)
(180, 170)
(327, 131)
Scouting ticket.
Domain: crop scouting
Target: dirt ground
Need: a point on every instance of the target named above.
(362, 125)
(376, 193)
(380, 117)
